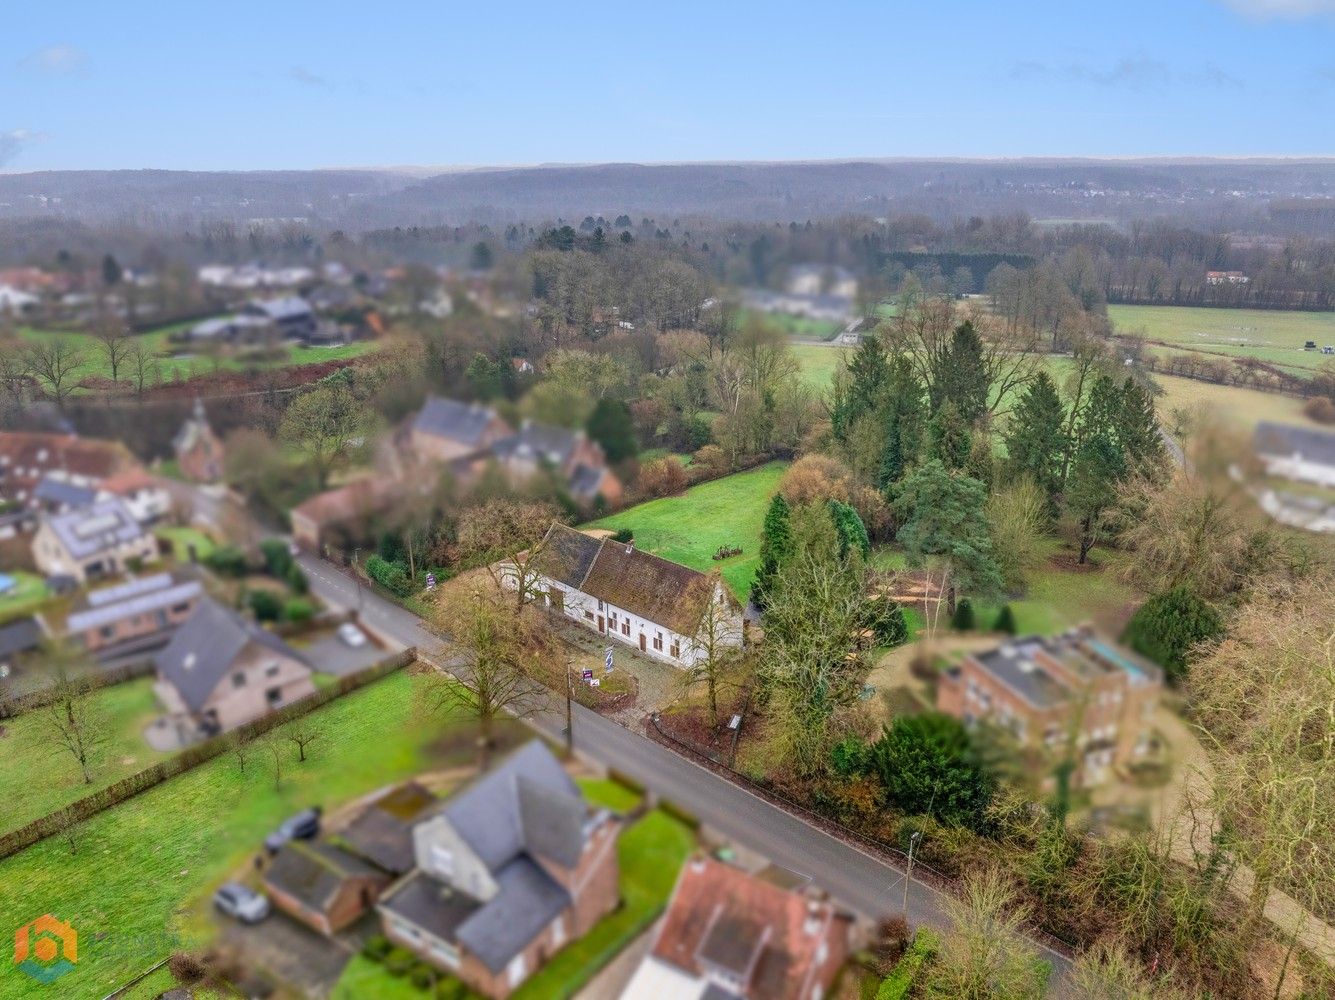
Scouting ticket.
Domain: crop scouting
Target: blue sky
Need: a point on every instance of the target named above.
(297, 84)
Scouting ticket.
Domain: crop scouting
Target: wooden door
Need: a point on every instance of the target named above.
(641, 642)
(601, 626)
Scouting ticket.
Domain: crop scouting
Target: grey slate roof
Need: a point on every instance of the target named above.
(203, 649)
(383, 832)
(539, 442)
(1017, 670)
(1284, 440)
(527, 900)
(58, 491)
(529, 795)
(524, 809)
(567, 555)
(20, 636)
(584, 481)
(279, 310)
(313, 872)
(453, 420)
(100, 526)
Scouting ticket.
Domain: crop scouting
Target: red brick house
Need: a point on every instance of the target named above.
(727, 933)
(508, 871)
(27, 458)
(1040, 688)
(136, 615)
(323, 887)
(199, 452)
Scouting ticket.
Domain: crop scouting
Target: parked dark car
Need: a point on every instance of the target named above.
(305, 825)
(242, 902)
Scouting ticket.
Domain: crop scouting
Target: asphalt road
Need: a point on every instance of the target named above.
(864, 883)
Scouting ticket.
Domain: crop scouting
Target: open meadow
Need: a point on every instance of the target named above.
(181, 361)
(1274, 336)
(690, 528)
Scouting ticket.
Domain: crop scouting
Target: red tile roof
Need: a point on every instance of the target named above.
(722, 917)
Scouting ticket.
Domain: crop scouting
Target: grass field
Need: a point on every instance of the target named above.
(818, 364)
(29, 592)
(174, 362)
(797, 326)
(29, 749)
(609, 794)
(1243, 408)
(144, 869)
(1268, 335)
(689, 529)
(182, 538)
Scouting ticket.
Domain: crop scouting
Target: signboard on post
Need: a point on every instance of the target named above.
(431, 581)
(586, 674)
(607, 660)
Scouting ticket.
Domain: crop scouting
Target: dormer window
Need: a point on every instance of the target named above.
(442, 860)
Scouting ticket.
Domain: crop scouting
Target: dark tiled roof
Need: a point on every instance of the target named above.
(529, 794)
(431, 905)
(585, 481)
(455, 421)
(527, 900)
(1283, 440)
(383, 833)
(1013, 664)
(203, 649)
(567, 555)
(20, 636)
(541, 442)
(650, 586)
(312, 872)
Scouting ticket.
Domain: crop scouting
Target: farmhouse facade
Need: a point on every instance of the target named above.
(668, 611)
(1302, 454)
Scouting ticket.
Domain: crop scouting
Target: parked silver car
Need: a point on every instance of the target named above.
(241, 902)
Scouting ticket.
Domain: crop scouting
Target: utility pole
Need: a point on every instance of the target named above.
(357, 577)
(908, 873)
(570, 721)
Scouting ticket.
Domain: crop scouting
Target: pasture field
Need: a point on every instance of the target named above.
(1243, 408)
(818, 364)
(690, 528)
(181, 361)
(1274, 336)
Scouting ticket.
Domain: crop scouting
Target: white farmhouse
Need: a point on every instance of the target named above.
(1298, 453)
(668, 611)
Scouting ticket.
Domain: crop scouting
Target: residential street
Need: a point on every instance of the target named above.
(861, 881)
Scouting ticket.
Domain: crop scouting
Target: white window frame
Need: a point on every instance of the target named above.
(517, 969)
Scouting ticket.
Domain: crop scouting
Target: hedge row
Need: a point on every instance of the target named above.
(191, 757)
(102, 678)
(896, 986)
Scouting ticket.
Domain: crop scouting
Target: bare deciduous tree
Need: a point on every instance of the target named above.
(54, 361)
(113, 344)
(73, 717)
(497, 670)
(715, 645)
(302, 733)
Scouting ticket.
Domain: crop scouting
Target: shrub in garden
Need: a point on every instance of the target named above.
(277, 559)
(298, 609)
(663, 477)
(1005, 621)
(227, 560)
(296, 579)
(849, 756)
(390, 575)
(889, 623)
(376, 948)
(422, 976)
(267, 606)
(929, 766)
(451, 989)
(399, 961)
(1168, 625)
(623, 535)
(964, 619)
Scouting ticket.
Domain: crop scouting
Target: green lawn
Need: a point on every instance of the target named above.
(690, 528)
(29, 749)
(818, 364)
(181, 538)
(144, 869)
(29, 592)
(1243, 408)
(174, 361)
(1269, 335)
(609, 794)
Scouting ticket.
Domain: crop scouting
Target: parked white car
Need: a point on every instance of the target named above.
(242, 902)
(352, 635)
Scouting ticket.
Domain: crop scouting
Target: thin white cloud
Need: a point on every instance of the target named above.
(1286, 9)
(302, 75)
(57, 60)
(1133, 72)
(13, 142)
